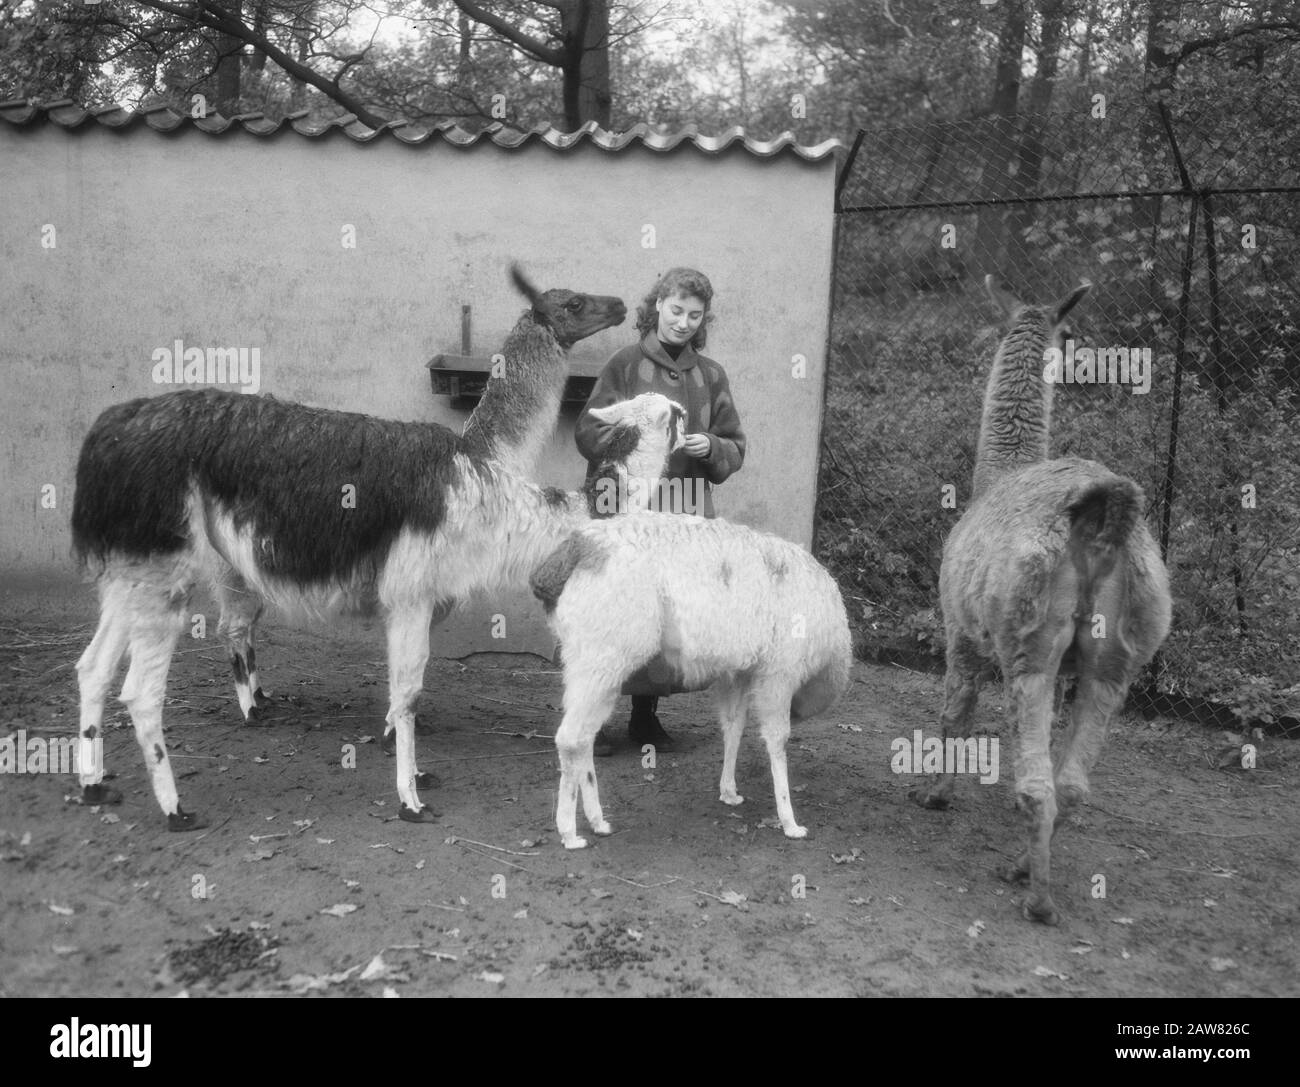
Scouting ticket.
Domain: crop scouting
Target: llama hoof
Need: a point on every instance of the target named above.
(731, 798)
(931, 799)
(602, 828)
(100, 794)
(1043, 910)
(1013, 873)
(261, 698)
(1068, 797)
(255, 715)
(795, 832)
(425, 815)
(181, 821)
(427, 781)
(575, 843)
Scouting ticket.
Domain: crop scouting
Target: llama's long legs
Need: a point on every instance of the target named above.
(388, 742)
(586, 708)
(95, 672)
(1096, 702)
(241, 607)
(1032, 695)
(408, 653)
(966, 672)
(156, 619)
(771, 705)
(732, 711)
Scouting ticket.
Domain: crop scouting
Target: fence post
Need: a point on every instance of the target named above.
(1180, 336)
(1219, 371)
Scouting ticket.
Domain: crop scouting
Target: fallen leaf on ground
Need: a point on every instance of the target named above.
(306, 983)
(378, 970)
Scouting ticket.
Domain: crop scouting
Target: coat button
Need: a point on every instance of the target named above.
(674, 374)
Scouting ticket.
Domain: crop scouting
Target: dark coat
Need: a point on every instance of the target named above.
(700, 386)
(697, 383)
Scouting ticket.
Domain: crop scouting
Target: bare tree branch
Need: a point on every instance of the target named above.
(528, 44)
(207, 14)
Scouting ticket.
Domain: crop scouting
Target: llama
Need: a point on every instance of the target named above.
(719, 604)
(1050, 570)
(246, 492)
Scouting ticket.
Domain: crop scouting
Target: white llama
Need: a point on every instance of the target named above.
(1051, 569)
(750, 614)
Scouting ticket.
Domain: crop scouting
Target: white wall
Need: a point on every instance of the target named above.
(236, 241)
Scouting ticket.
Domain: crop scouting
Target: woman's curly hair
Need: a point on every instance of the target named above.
(685, 281)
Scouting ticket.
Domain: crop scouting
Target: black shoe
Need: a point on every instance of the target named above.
(647, 730)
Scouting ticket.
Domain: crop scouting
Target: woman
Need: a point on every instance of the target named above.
(672, 321)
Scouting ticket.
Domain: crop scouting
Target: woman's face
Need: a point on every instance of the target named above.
(679, 317)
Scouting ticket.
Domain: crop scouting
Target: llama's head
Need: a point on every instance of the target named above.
(1051, 318)
(570, 315)
(648, 429)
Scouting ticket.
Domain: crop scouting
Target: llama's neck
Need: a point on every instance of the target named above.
(516, 416)
(527, 522)
(1017, 403)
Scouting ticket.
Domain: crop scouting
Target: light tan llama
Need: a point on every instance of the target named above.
(1051, 570)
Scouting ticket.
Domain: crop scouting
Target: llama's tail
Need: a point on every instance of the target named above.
(823, 688)
(1101, 521)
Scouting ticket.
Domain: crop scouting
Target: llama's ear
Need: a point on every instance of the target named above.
(1071, 300)
(523, 285)
(1007, 302)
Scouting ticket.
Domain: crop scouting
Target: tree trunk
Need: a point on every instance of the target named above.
(1030, 172)
(302, 43)
(229, 58)
(1158, 76)
(990, 248)
(258, 61)
(587, 96)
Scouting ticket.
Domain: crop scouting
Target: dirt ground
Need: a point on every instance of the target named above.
(305, 882)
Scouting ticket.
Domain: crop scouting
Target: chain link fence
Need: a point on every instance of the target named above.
(1189, 232)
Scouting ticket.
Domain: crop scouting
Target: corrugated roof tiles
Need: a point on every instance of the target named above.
(64, 113)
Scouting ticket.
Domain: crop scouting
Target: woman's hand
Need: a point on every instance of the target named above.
(697, 445)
